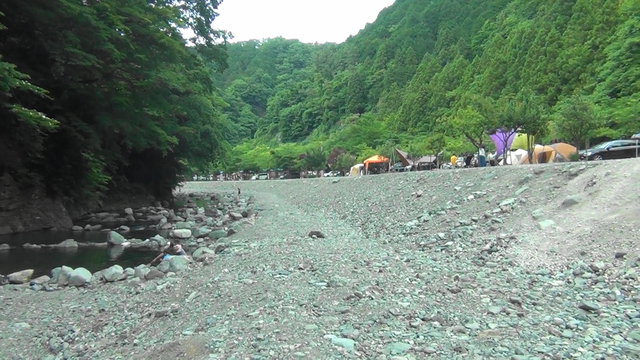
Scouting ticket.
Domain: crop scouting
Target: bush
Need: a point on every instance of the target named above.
(574, 157)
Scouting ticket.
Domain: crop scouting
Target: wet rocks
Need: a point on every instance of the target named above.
(154, 274)
(69, 243)
(217, 234)
(114, 238)
(174, 264)
(113, 273)
(181, 233)
(79, 277)
(20, 277)
(4, 247)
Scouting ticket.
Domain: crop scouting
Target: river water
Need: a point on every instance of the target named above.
(91, 258)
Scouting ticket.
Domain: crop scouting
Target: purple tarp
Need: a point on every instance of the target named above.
(499, 140)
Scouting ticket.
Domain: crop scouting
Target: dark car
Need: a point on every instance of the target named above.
(616, 149)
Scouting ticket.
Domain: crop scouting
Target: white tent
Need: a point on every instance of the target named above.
(515, 157)
(357, 169)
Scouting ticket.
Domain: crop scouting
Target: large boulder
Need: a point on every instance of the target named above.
(202, 232)
(69, 243)
(20, 277)
(40, 280)
(185, 225)
(114, 273)
(174, 264)
(60, 275)
(181, 233)
(218, 234)
(115, 239)
(140, 271)
(154, 274)
(201, 253)
(79, 277)
(4, 247)
(159, 239)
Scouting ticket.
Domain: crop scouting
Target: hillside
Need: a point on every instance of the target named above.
(438, 264)
(431, 75)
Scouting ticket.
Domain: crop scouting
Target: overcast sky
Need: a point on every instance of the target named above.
(306, 20)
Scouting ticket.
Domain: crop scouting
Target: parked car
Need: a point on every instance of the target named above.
(616, 149)
(332, 174)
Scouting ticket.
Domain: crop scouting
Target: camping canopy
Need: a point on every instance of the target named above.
(375, 159)
(404, 157)
(520, 142)
(500, 138)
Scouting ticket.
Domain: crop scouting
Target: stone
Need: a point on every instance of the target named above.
(235, 216)
(185, 225)
(217, 234)
(40, 280)
(181, 233)
(114, 238)
(202, 232)
(141, 271)
(154, 274)
(544, 224)
(508, 202)
(4, 247)
(20, 277)
(174, 264)
(128, 211)
(588, 306)
(344, 343)
(69, 243)
(159, 239)
(315, 233)
(77, 228)
(79, 277)
(397, 348)
(571, 200)
(113, 273)
(200, 253)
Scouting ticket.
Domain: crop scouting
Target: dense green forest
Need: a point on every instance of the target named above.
(432, 75)
(104, 95)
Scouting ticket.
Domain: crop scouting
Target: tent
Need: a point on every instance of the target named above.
(563, 151)
(404, 157)
(541, 154)
(500, 138)
(356, 170)
(515, 157)
(520, 142)
(375, 159)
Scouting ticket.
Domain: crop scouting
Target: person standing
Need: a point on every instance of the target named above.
(454, 160)
(482, 156)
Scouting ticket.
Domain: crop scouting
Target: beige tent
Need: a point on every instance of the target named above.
(356, 170)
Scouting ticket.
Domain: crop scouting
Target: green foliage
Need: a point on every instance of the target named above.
(431, 76)
(576, 119)
(133, 102)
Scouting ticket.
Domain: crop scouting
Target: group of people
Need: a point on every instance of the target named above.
(468, 158)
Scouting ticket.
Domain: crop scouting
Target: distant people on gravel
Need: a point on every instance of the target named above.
(482, 156)
(169, 250)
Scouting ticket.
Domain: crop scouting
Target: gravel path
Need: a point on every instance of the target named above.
(487, 263)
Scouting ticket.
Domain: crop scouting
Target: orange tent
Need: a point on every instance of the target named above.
(375, 159)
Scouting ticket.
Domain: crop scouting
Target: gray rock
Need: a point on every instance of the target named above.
(202, 232)
(508, 202)
(154, 274)
(200, 253)
(235, 216)
(80, 277)
(4, 247)
(181, 233)
(217, 234)
(20, 277)
(77, 228)
(113, 273)
(588, 306)
(69, 243)
(174, 264)
(115, 239)
(185, 225)
(40, 280)
(344, 343)
(397, 348)
(544, 224)
(159, 239)
(315, 233)
(128, 211)
(571, 201)
(130, 272)
(140, 271)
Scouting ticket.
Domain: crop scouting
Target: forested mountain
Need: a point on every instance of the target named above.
(431, 75)
(97, 95)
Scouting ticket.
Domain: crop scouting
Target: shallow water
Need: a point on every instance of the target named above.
(91, 258)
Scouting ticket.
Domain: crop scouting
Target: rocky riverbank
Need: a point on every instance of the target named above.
(491, 263)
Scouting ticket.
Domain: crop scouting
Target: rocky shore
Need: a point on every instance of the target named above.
(491, 263)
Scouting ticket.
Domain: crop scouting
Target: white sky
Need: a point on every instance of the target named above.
(306, 20)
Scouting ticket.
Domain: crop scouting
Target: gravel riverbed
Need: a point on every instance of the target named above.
(522, 262)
